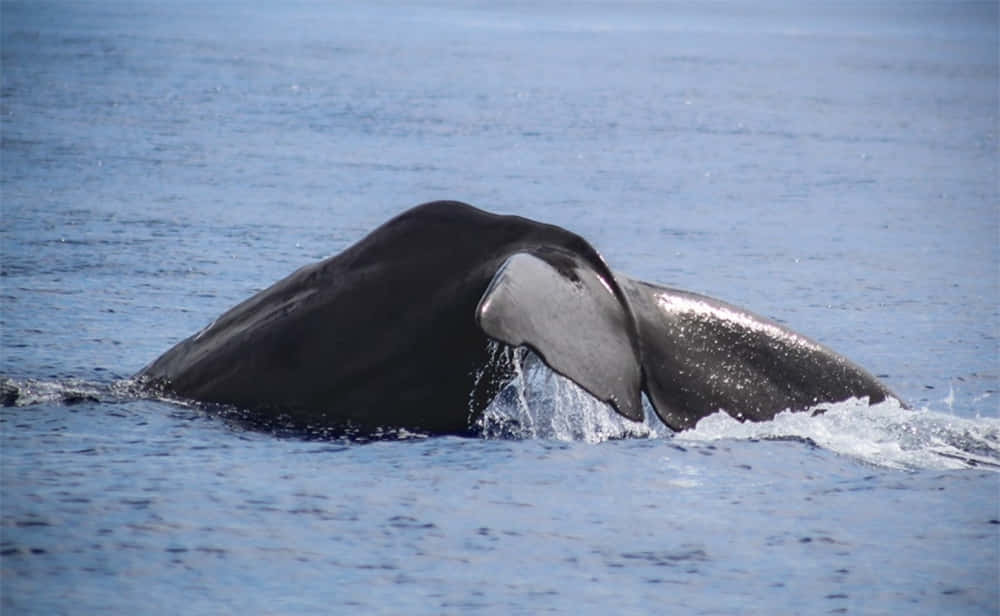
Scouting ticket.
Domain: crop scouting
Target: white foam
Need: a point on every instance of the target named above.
(541, 404)
(885, 434)
(30, 391)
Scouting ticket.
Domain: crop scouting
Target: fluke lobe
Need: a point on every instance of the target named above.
(394, 333)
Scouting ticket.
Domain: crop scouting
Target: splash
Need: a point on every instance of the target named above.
(884, 434)
(541, 404)
(29, 392)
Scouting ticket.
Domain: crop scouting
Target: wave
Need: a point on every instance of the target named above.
(29, 392)
(885, 434)
(540, 404)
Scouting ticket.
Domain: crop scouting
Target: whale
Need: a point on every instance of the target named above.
(397, 332)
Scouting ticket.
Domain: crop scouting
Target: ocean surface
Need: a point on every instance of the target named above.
(829, 165)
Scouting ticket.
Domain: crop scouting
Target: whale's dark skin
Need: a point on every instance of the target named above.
(394, 332)
(383, 334)
(701, 355)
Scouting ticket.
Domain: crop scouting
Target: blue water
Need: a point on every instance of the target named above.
(833, 166)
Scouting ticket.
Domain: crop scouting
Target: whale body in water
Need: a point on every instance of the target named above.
(394, 332)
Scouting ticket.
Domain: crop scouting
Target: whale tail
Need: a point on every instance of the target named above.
(556, 304)
(690, 354)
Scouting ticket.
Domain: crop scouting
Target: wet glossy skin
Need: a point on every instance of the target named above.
(382, 334)
(392, 332)
(701, 355)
